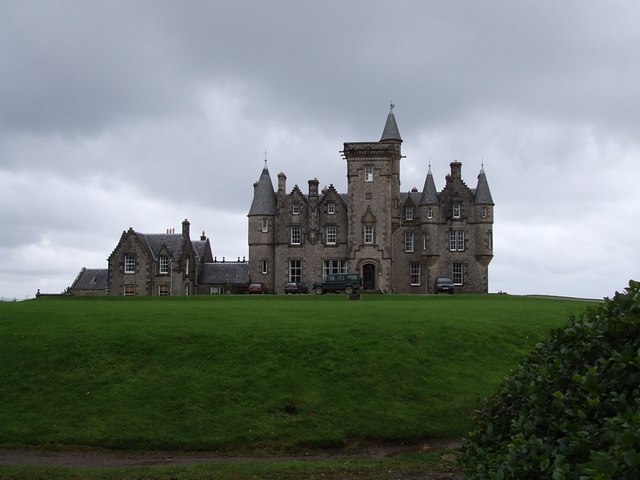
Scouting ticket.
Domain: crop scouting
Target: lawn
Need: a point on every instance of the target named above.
(266, 374)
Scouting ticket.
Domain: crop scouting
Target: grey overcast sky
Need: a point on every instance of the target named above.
(118, 114)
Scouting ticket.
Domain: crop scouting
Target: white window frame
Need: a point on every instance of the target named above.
(457, 210)
(456, 273)
(164, 263)
(414, 274)
(295, 209)
(264, 266)
(331, 208)
(368, 173)
(295, 270)
(129, 264)
(368, 234)
(456, 240)
(332, 267)
(264, 225)
(409, 242)
(295, 238)
(330, 234)
(408, 213)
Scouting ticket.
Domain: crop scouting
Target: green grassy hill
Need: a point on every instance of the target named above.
(270, 373)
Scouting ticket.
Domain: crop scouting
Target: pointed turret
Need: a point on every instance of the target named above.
(483, 194)
(391, 132)
(264, 198)
(429, 192)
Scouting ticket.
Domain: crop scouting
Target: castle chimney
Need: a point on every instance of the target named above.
(203, 237)
(313, 187)
(185, 228)
(282, 182)
(456, 169)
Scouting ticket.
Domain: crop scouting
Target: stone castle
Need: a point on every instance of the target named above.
(397, 241)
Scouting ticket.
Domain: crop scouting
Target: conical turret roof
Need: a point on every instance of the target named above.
(264, 198)
(391, 131)
(483, 194)
(429, 192)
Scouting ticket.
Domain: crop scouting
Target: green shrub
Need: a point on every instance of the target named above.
(572, 408)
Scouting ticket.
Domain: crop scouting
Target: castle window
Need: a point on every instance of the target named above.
(414, 274)
(129, 290)
(408, 242)
(330, 234)
(429, 213)
(456, 273)
(484, 212)
(424, 241)
(163, 290)
(129, 264)
(456, 210)
(264, 267)
(331, 208)
(490, 240)
(368, 173)
(295, 270)
(265, 225)
(456, 240)
(186, 267)
(295, 234)
(408, 213)
(295, 209)
(164, 264)
(333, 266)
(368, 234)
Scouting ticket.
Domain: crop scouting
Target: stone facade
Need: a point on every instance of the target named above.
(398, 242)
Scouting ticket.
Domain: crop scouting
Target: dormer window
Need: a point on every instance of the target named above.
(408, 213)
(368, 173)
(331, 208)
(295, 209)
(456, 210)
(164, 264)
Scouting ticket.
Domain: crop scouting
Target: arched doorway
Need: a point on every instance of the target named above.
(369, 277)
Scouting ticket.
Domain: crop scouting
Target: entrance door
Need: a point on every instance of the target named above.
(368, 277)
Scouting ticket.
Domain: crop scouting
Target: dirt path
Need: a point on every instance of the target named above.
(103, 459)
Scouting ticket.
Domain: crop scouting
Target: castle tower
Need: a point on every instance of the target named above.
(373, 182)
(262, 227)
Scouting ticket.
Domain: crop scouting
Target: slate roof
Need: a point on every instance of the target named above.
(219, 273)
(391, 131)
(264, 198)
(429, 192)
(92, 279)
(199, 248)
(155, 242)
(483, 194)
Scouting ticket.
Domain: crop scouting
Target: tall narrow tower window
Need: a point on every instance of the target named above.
(368, 173)
(265, 225)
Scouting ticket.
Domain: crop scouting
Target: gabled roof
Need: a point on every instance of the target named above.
(483, 194)
(155, 242)
(264, 198)
(429, 192)
(220, 273)
(391, 131)
(199, 247)
(91, 279)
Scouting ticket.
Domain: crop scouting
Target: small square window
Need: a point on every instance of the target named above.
(163, 290)
(129, 290)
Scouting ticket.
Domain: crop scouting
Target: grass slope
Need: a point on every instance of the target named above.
(269, 373)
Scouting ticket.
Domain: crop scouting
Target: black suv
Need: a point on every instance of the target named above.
(339, 282)
(444, 285)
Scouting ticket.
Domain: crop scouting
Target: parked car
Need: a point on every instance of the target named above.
(295, 287)
(444, 285)
(258, 288)
(339, 282)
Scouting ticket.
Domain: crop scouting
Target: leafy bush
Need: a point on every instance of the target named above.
(572, 408)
